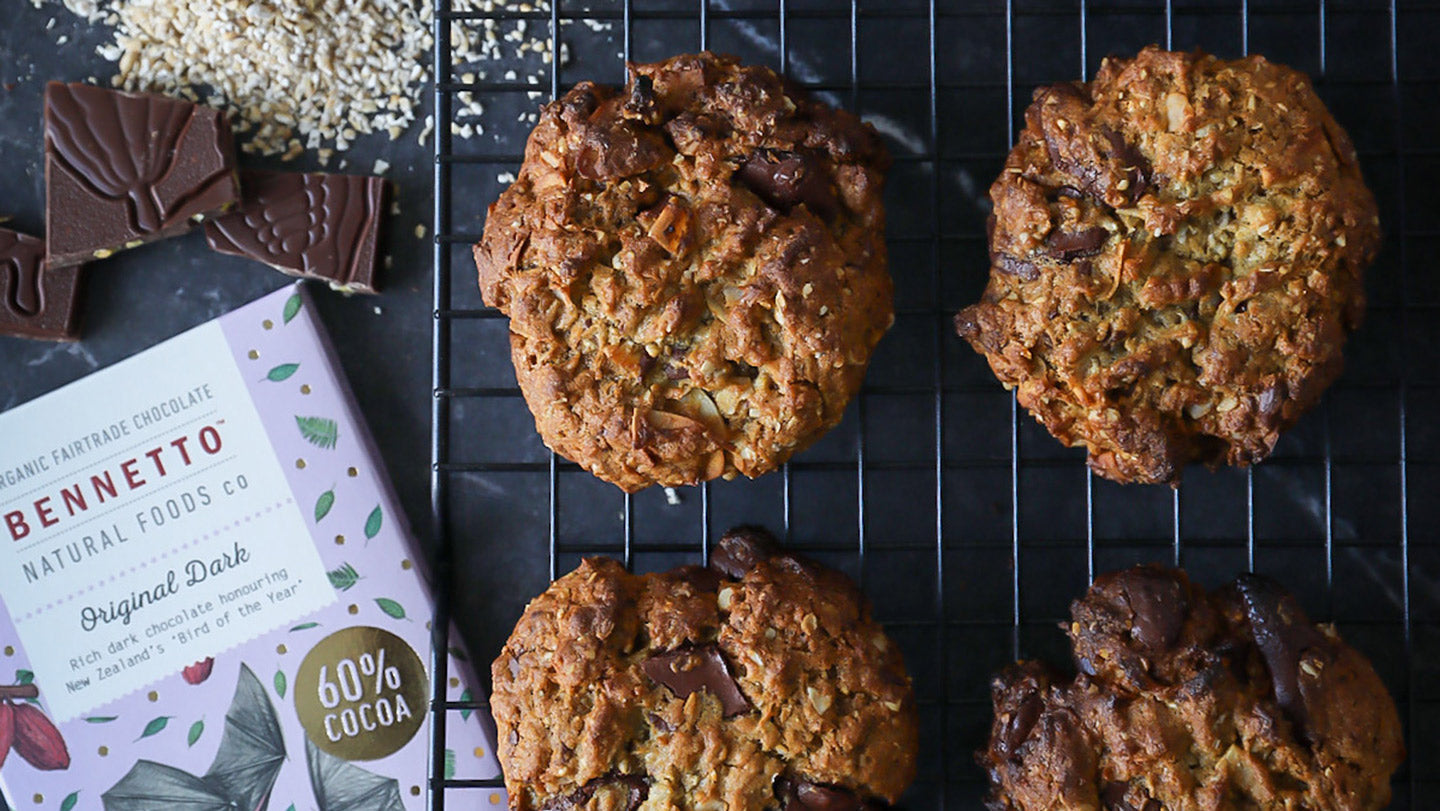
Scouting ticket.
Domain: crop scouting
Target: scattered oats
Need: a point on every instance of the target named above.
(64, 38)
(317, 74)
(505, 178)
(389, 261)
(419, 232)
(672, 497)
(379, 311)
(381, 166)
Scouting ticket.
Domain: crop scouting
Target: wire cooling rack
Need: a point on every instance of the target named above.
(968, 526)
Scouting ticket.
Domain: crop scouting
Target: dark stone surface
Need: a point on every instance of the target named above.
(140, 297)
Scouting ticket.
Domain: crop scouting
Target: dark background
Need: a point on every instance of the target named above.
(968, 526)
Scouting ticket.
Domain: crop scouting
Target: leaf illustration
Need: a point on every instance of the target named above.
(390, 607)
(155, 727)
(196, 730)
(280, 683)
(465, 696)
(342, 786)
(150, 785)
(323, 504)
(372, 524)
(292, 307)
(100, 719)
(344, 577)
(291, 808)
(69, 801)
(252, 748)
(449, 764)
(24, 676)
(305, 626)
(321, 432)
(282, 372)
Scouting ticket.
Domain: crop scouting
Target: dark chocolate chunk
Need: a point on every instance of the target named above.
(1283, 634)
(1137, 167)
(741, 549)
(40, 301)
(642, 101)
(788, 179)
(615, 148)
(636, 788)
(685, 670)
(802, 795)
(1021, 723)
(122, 169)
(1159, 605)
(1005, 263)
(315, 226)
(1113, 798)
(1068, 245)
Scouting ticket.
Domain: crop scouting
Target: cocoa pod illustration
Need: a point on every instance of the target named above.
(38, 741)
(198, 672)
(7, 729)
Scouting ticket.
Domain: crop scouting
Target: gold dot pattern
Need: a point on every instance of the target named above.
(268, 324)
(254, 355)
(305, 389)
(300, 463)
(405, 564)
(354, 609)
(280, 649)
(39, 798)
(153, 696)
(352, 473)
(339, 540)
(415, 791)
(104, 750)
(9, 650)
(480, 751)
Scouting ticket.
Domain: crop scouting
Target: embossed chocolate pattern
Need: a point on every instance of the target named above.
(687, 670)
(316, 226)
(36, 300)
(125, 168)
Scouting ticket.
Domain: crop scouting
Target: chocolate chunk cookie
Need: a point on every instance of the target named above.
(1176, 255)
(760, 682)
(1188, 700)
(694, 270)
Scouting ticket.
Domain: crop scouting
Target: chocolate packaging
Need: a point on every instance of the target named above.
(208, 595)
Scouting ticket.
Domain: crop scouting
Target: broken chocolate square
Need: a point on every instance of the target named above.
(122, 169)
(39, 300)
(315, 226)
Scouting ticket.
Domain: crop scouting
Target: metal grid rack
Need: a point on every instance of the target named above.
(968, 526)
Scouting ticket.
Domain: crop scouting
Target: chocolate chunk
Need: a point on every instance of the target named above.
(613, 149)
(787, 179)
(1113, 798)
(797, 794)
(40, 301)
(642, 101)
(636, 788)
(1137, 167)
(315, 226)
(685, 670)
(741, 549)
(1159, 605)
(1005, 263)
(1068, 245)
(1283, 634)
(1022, 721)
(122, 169)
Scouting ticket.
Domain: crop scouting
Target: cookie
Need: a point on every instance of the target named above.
(760, 682)
(1188, 700)
(1176, 257)
(694, 270)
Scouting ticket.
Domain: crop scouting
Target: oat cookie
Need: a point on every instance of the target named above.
(760, 682)
(1176, 257)
(1188, 701)
(694, 270)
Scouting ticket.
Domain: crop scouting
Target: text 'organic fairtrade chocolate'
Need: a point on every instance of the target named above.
(122, 169)
(315, 226)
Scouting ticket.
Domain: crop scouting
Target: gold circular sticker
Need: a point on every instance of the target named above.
(361, 693)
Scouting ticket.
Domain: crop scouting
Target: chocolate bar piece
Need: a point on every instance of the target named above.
(315, 226)
(39, 299)
(122, 169)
